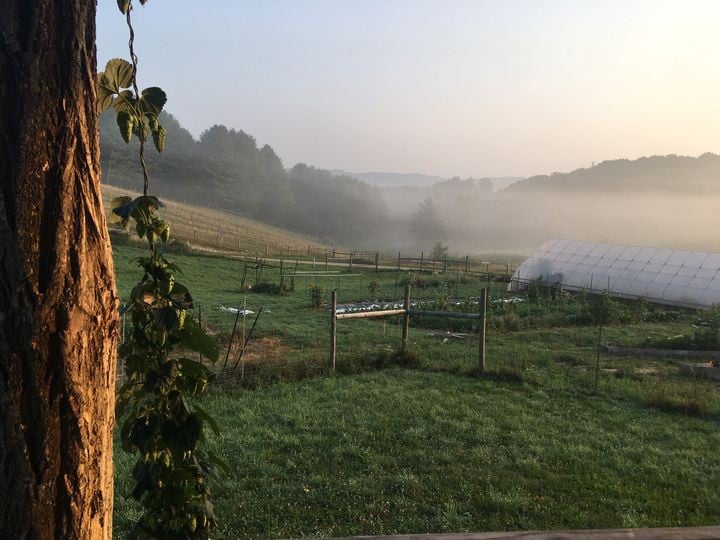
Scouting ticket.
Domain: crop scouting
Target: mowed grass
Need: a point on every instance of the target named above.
(434, 448)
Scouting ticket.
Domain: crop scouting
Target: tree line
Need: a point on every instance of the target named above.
(225, 168)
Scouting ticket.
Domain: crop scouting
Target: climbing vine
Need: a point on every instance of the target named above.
(163, 424)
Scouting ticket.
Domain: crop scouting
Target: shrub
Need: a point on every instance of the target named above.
(316, 293)
(442, 298)
(408, 278)
(374, 288)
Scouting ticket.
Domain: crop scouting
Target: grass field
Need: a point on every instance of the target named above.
(221, 230)
(380, 449)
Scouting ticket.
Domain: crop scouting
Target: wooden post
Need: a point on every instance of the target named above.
(422, 257)
(467, 263)
(333, 253)
(282, 278)
(398, 260)
(406, 318)
(482, 327)
(507, 271)
(326, 261)
(351, 258)
(333, 330)
(377, 260)
(308, 250)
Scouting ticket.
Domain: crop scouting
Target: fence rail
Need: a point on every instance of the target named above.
(406, 312)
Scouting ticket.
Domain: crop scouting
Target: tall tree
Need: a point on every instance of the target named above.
(58, 306)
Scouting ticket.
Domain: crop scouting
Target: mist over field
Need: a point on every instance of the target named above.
(668, 201)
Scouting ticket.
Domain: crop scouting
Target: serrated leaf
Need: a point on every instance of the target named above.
(125, 101)
(125, 122)
(153, 99)
(194, 338)
(207, 418)
(159, 138)
(105, 95)
(118, 202)
(124, 6)
(141, 129)
(117, 75)
(166, 318)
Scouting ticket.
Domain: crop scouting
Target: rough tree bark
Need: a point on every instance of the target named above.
(58, 306)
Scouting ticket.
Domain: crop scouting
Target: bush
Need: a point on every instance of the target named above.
(316, 293)
(374, 288)
(408, 278)
(442, 298)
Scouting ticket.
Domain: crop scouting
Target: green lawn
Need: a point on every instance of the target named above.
(433, 448)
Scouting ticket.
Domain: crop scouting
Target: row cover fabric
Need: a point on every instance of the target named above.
(665, 276)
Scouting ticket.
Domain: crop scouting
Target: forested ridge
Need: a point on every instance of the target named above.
(225, 168)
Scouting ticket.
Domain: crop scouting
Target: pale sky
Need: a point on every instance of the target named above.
(446, 87)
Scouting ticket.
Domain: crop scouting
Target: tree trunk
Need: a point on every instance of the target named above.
(58, 306)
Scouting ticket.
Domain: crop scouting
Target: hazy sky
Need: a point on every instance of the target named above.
(447, 87)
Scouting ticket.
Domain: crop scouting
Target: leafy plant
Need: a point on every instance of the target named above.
(316, 293)
(408, 279)
(374, 288)
(442, 297)
(163, 425)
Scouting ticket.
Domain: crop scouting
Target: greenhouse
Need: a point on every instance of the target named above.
(665, 276)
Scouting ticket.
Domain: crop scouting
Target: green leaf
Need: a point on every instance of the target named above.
(213, 458)
(193, 337)
(153, 100)
(117, 75)
(125, 101)
(166, 319)
(125, 122)
(124, 6)
(116, 203)
(159, 138)
(205, 417)
(105, 94)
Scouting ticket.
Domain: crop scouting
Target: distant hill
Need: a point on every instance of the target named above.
(395, 180)
(227, 169)
(666, 174)
(392, 179)
(501, 182)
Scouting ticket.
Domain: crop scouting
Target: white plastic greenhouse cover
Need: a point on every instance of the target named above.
(665, 276)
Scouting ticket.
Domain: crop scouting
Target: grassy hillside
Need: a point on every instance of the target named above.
(219, 229)
(379, 448)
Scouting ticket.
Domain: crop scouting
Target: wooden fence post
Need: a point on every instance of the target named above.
(406, 318)
(398, 261)
(507, 271)
(422, 257)
(467, 263)
(326, 261)
(282, 278)
(482, 327)
(351, 258)
(333, 330)
(377, 260)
